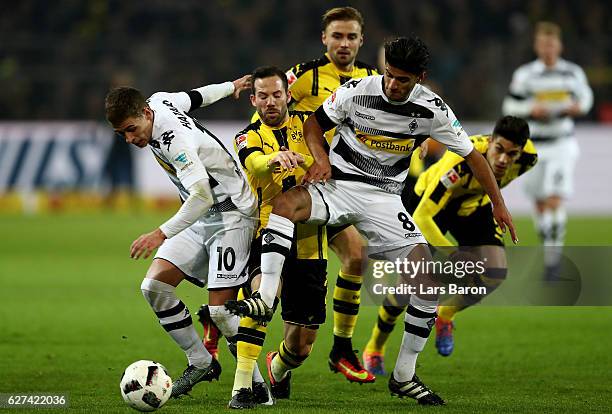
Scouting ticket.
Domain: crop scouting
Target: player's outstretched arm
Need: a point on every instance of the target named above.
(479, 166)
(320, 170)
(209, 94)
(197, 204)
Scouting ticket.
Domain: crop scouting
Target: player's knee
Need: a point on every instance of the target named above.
(494, 277)
(283, 205)
(225, 321)
(156, 292)
(353, 261)
(351, 253)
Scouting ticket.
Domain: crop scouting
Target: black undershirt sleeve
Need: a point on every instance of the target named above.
(196, 99)
(324, 121)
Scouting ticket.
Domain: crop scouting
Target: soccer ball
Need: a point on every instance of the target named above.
(145, 385)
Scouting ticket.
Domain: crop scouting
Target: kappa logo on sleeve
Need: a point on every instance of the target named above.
(291, 78)
(450, 178)
(167, 138)
(241, 141)
(183, 159)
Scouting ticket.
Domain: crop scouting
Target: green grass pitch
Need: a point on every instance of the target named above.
(72, 318)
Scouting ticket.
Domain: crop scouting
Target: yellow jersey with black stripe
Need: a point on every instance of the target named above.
(450, 185)
(258, 143)
(313, 82)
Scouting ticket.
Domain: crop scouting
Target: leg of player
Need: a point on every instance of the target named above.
(418, 321)
(374, 353)
(228, 324)
(495, 274)
(211, 333)
(158, 288)
(292, 352)
(349, 247)
(277, 239)
(551, 220)
(249, 387)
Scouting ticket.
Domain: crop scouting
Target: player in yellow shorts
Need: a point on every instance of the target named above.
(446, 198)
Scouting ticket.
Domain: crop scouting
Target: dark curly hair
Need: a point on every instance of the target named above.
(513, 129)
(409, 54)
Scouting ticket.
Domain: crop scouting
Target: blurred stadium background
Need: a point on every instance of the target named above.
(58, 59)
(73, 196)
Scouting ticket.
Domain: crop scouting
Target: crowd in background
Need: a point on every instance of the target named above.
(59, 58)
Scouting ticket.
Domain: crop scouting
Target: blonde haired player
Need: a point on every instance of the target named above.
(550, 92)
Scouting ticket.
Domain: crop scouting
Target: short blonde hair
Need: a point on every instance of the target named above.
(548, 29)
(341, 13)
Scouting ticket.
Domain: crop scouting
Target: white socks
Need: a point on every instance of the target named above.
(420, 318)
(175, 318)
(276, 242)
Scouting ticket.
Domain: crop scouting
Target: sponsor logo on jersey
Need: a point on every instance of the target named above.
(241, 141)
(224, 276)
(553, 96)
(351, 84)
(440, 104)
(450, 178)
(411, 235)
(291, 78)
(382, 143)
(183, 159)
(365, 116)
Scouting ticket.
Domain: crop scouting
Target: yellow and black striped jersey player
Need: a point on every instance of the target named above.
(275, 157)
(447, 198)
(310, 84)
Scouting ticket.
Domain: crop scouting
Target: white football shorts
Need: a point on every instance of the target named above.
(378, 215)
(553, 175)
(214, 251)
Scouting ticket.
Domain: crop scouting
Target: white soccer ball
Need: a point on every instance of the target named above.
(145, 385)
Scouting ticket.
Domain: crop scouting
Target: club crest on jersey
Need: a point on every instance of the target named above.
(296, 136)
(183, 159)
(268, 238)
(291, 78)
(450, 178)
(241, 141)
(413, 126)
